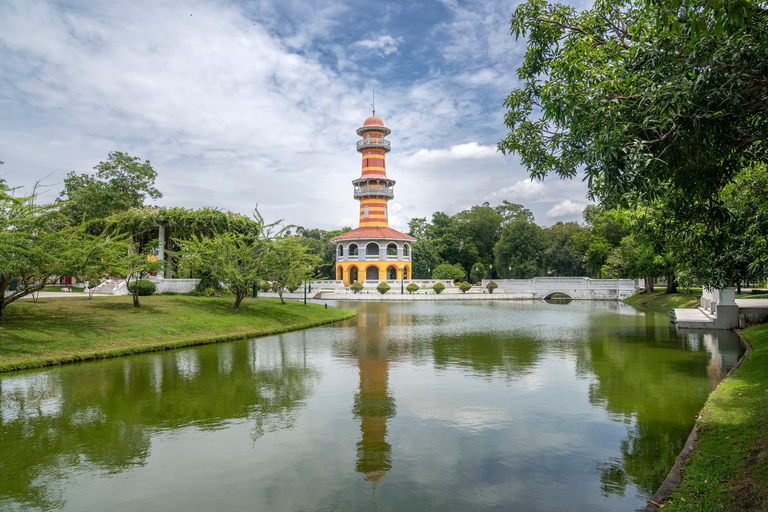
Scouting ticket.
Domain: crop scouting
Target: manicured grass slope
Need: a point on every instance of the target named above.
(59, 330)
(728, 470)
(659, 299)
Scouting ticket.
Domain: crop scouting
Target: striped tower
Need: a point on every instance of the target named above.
(373, 188)
(373, 251)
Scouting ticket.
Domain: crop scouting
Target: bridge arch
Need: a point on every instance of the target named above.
(558, 295)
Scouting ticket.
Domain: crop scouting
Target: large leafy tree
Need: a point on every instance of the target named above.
(521, 248)
(561, 256)
(654, 100)
(121, 182)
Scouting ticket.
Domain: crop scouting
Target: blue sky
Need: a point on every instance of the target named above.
(257, 102)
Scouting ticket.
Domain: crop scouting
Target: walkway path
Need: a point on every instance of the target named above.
(700, 318)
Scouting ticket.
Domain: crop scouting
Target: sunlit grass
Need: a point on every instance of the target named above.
(659, 299)
(57, 330)
(729, 468)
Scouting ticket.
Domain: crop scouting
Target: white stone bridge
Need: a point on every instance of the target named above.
(582, 288)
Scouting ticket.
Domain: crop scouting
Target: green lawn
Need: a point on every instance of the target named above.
(659, 299)
(728, 470)
(59, 330)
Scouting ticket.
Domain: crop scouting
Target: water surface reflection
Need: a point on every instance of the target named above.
(411, 406)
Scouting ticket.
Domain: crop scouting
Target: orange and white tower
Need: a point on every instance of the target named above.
(373, 251)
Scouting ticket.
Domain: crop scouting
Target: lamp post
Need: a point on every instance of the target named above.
(402, 278)
(491, 267)
(510, 271)
(429, 273)
(305, 292)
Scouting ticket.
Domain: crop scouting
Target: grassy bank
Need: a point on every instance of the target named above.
(659, 299)
(728, 470)
(60, 330)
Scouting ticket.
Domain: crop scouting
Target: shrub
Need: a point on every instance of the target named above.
(438, 287)
(447, 271)
(491, 286)
(356, 287)
(383, 288)
(145, 287)
(465, 287)
(413, 287)
(264, 286)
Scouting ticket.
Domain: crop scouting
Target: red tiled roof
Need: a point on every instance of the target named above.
(373, 232)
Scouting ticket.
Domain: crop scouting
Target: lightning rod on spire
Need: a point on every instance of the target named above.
(373, 103)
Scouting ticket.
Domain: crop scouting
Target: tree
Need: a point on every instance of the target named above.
(121, 182)
(511, 212)
(92, 257)
(235, 259)
(521, 247)
(561, 255)
(35, 246)
(736, 249)
(142, 225)
(424, 257)
(132, 264)
(289, 262)
(478, 272)
(653, 100)
(447, 271)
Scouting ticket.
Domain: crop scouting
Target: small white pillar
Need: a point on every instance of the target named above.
(161, 236)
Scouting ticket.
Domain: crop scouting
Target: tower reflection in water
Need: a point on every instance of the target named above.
(373, 403)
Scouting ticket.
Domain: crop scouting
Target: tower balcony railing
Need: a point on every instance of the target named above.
(373, 143)
(374, 191)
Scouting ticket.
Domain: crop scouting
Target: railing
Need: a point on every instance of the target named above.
(373, 142)
(374, 191)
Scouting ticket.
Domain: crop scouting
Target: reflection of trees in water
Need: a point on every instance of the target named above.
(103, 415)
(659, 397)
(511, 356)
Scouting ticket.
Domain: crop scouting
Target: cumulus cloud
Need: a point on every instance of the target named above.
(566, 208)
(384, 45)
(523, 191)
(468, 151)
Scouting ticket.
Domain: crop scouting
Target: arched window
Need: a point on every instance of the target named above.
(365, 211)
(405, 250)
(372, 249)
(391, 250)
(385, 212)
(341, 251)
(353, 249)
(391, 273)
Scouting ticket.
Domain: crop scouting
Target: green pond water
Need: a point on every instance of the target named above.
(411, 406)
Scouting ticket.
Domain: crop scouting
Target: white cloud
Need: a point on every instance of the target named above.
(384, 45)
(524, 191)
(468, 151)
(566, 208)
(242, 104)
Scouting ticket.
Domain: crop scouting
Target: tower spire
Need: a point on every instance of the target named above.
(373, 103)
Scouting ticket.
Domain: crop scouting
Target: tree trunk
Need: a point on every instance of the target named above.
(738, 286)
(240, 294)
(136, 303)
(648, 285)
(671, 284)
